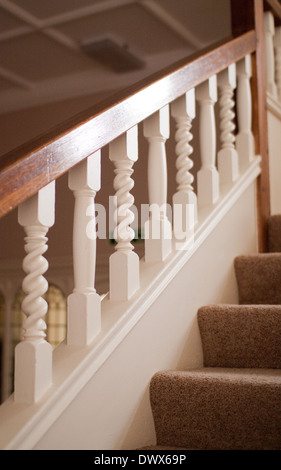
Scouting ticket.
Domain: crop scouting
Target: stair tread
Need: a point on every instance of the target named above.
(217, 408)
(224, 374)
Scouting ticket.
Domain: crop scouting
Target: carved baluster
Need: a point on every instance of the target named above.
(208, 177)
(227, 156)
(158, 231)
(84, 304)
(184, 200)
(124, 263)
(269, 53)
(244, 138)
(277, 48)
(33, 355)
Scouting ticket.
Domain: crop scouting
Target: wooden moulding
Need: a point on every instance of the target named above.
(30, 167)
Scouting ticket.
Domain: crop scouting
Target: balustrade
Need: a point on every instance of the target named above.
(198, 188)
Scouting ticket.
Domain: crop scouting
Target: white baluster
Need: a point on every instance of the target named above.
(184, 200)
(277, 48)
(124, 263)
(158, 231)
(33, 355)
(269, 53)
(227, 156)
(84, 304)
(244, 138)
(208, 177)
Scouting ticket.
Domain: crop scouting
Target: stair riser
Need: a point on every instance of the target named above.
(241, 336)
(258, 278)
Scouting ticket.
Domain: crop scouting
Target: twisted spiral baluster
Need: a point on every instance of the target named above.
(124, 262)
(227, 115)
(33, 355)
(123, 184)
(184, 164)
(34, 284)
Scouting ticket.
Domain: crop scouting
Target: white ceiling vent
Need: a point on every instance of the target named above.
(109, 53)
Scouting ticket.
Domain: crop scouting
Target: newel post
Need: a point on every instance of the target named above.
(158, 230)
(227, 155)
(185, 199)
(244, 140)
(208, 177)
(124, 263)
(84, 304)
(33, 355)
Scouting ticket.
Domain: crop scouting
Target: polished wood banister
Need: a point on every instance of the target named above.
(32, 166)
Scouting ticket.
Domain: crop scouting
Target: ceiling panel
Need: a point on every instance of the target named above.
(37, 57)
(132, 24)
(43, 9)
(207, 20)
(8, 21)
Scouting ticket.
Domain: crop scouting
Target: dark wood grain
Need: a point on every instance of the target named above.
(29, 168)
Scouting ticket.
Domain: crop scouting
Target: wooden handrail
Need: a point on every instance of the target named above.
(32, 166)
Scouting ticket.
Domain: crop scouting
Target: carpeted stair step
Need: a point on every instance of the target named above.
(258, 278)
(241, 335)
(217, 409)
(274, 233)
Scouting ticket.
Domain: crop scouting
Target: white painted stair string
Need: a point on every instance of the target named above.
(33, 355)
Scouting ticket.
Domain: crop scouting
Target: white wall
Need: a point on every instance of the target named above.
(113, 410)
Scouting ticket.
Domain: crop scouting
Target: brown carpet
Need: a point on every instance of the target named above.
(234, 401)
(258, 278)
(274, 230)
(241, 336)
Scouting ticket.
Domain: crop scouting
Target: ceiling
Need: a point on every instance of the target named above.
(42, 59)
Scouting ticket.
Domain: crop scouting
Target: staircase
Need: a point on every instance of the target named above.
(234, 401)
